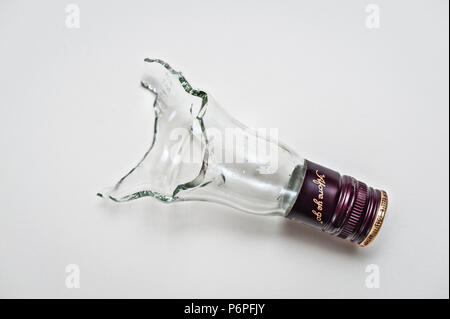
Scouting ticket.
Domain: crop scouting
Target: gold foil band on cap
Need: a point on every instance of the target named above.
(378, 220)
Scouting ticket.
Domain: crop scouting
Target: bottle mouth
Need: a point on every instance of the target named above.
(362, 210)
(378, 220)
(340, 205)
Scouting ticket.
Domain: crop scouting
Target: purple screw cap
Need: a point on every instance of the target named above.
(339, 205)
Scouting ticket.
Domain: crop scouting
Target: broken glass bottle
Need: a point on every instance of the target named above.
(201, 153)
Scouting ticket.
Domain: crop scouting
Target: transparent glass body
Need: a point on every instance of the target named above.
(200, 153)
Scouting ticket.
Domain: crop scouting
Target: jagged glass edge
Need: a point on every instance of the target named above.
(199, 180)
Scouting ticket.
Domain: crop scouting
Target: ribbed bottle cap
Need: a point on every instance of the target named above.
(340, 205)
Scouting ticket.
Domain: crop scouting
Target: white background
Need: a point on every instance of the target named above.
(372, 103)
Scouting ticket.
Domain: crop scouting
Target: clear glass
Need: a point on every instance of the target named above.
(200, 153)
